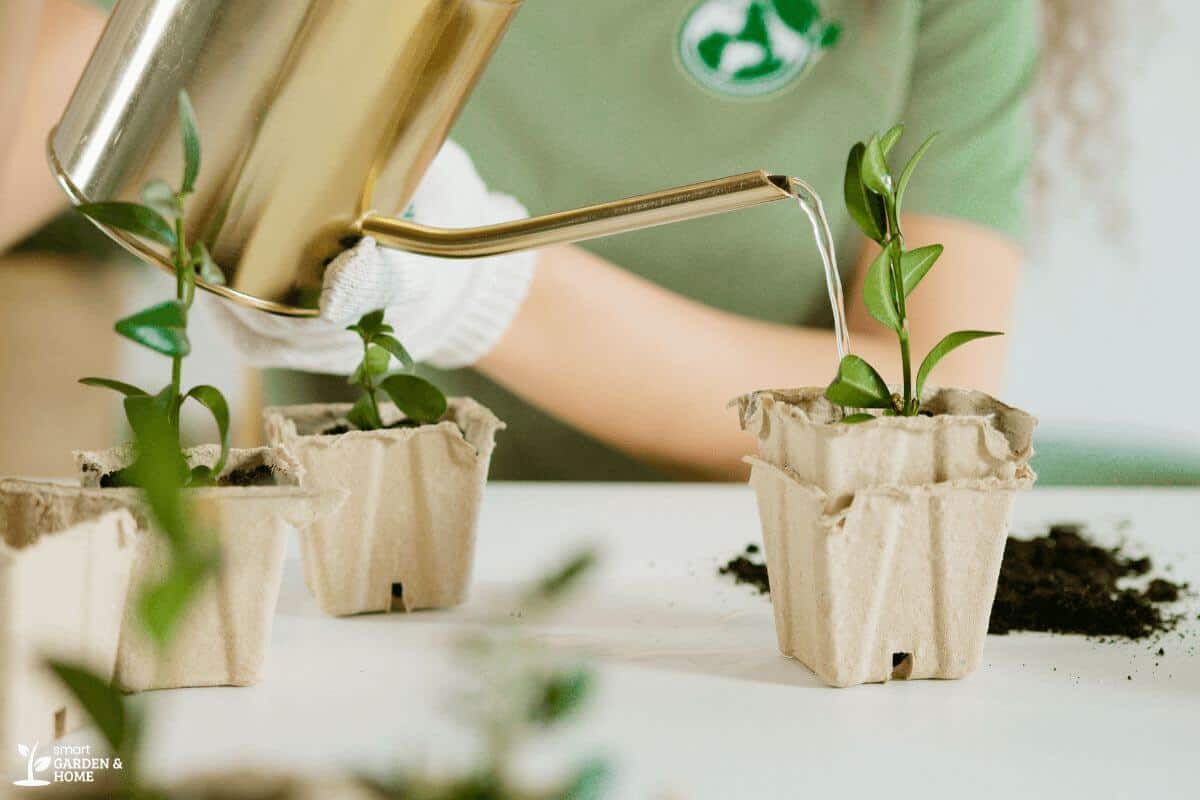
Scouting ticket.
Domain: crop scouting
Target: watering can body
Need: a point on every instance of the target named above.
(314, 115)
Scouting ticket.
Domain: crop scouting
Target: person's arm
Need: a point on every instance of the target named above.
(38, 92)
(650, 372)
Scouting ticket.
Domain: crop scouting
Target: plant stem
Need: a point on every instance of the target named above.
(182, 266)
(369, 384)
(896, 238)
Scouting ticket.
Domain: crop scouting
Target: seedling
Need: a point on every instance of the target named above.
(420, 400)
(163, 327)
(518, 692)
(874, 198)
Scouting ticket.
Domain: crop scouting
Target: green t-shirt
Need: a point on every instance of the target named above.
(586, 102)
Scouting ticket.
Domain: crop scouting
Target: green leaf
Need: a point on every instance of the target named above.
(916, 263)
(590, 782)
(206, 268)
(363, 415)
(371, 323)
(102, 702)
(875, 173)
(858, 385)
(559, 696)
(160, 469)
(162, 328)
(158, 195)
(162, 605)
(132, 217)
(191, 143)
(866, 209)
(799, 15)
(889, 139)
(419, 399)
(375, 360)
(906, 174)
(857, 419)
(560, 580)
(948, 343)
(393, 346)
(126, 389)
(879, 293)
(211, 398)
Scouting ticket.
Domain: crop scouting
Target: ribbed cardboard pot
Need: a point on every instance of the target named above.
(225, 635)
(406, 536)
(884, 539)
(62, 595)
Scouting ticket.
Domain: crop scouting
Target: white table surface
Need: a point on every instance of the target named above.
(693, 699)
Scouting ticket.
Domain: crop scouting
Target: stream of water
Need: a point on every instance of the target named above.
(810, 202)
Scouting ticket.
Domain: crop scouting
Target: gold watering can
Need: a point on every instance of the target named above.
(313, 115)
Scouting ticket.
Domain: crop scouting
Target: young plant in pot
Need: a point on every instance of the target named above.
(415, 468)
(248, 499)
(885, 510)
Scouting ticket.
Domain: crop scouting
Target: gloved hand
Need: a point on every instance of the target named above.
(447, 312)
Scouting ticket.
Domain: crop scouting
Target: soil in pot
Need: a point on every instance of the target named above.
(1061, 582)
(224, 638)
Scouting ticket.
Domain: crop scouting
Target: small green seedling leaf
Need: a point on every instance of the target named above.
(211, 398)
(160, 469)
(103, 703)
(162, 328)
(132, 217)
(590, 782)
(914, 265)
(560, 696)
(889, 139)
(127, 389)
(158, 195)
(857, 419)
(858, 385)
(393, 346)
(419, 399)
(950, 342)
(206, 267)
(866, 209)
(363, 415)
(875, 174)
(371, 324)
(375, 360)
(554, 584)
(879, 293)
(161, 605)
(191, 143)
(907, 172)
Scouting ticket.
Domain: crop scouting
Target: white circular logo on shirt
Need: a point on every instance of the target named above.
(749, 48)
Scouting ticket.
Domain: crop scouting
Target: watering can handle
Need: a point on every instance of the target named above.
(590, 222)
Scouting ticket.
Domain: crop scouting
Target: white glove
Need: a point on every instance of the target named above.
(447, 312)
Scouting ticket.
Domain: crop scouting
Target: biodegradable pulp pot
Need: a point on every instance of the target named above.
(62, 596)
(884, 539)
(225, 634)
(406, 536)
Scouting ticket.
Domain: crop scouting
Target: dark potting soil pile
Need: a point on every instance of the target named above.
(1061, 583)
(1064, 583)
(338, 430)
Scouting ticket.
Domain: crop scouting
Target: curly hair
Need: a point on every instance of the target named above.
(1088, 50)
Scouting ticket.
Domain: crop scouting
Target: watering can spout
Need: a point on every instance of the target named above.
(311, 113)
(577, 225)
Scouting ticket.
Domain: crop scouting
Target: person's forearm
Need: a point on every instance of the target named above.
(19, 21)
(28, 194)
(650, 372)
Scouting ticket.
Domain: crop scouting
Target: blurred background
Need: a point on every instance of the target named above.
(1098, 348)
